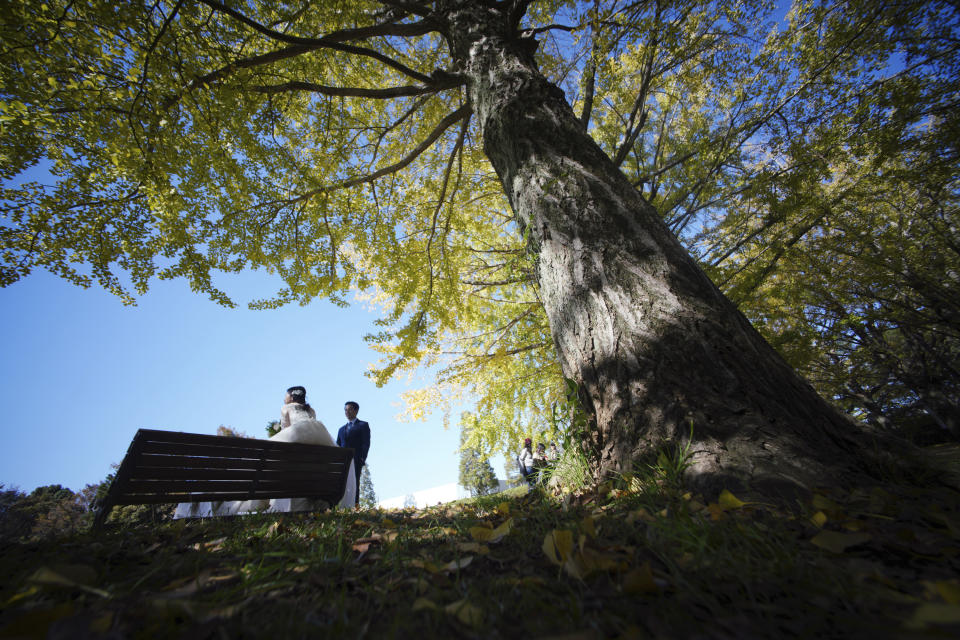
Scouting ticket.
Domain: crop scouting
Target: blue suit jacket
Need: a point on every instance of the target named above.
(358, 439)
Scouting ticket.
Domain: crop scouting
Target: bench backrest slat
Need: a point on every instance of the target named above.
(277, 475)
(278, 451)
(296, 488)
(214, 496)
(169, 466)
(148, 463)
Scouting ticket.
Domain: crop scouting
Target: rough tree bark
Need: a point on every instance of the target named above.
(653, 345)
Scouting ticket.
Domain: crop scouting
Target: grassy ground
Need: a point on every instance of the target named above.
(641, 560)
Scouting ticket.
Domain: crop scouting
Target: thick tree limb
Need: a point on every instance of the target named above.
(358, 92)
(405, 30)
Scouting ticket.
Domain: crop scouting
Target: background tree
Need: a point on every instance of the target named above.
(368, 497)
(511, 472)
(476, 474)
(48, 511)
(13, 524)
(425, 153)
(230, 432)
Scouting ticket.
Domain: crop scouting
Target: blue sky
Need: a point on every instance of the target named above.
(81, 373)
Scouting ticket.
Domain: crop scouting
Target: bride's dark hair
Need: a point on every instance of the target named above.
(299, 395)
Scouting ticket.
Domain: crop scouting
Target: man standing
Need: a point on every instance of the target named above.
(355, 435)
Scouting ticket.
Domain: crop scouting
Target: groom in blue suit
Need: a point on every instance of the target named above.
(355, 435)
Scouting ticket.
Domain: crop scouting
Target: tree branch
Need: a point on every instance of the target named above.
(358, 92)
(451, 119)
(344, 35)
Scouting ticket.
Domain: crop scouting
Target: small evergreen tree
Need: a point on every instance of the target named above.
(511, 471)
(368, 497)
(476, 474)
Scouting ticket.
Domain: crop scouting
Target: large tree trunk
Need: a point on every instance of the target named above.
(652, 343)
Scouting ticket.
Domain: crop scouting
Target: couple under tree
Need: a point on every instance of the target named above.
(298, 423)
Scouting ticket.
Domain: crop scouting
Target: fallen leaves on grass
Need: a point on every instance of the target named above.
(69, 576)
(838, 542)
(490, 536)
(433, 567)
(464, 611)
(558, 545)
(725, 502)
(578, 559)
(934, 614)
(640, 581)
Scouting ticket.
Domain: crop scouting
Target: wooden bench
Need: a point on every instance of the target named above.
(168, 466)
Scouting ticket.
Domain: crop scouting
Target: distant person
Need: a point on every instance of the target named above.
(355, 435)
(525, 460)
(553, 455)
(540, 456)
(540, 461)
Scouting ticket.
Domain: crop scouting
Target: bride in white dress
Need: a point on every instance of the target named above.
(298, 423)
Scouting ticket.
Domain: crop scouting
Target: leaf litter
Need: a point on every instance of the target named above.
(609, 562)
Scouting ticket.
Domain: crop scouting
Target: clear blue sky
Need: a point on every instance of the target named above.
(81, 373)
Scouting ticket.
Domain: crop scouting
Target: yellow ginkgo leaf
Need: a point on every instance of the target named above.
(729, 501)
(481, 534)
(20, 595)
(558, 545)
(102, 623)
(949, 590)
(504, 528)
(824, 503)
(640, 581)
(819, 519)
(467, 613)
(588, 526)
(503, 508)
(594, 560)
(935, 613)
(575, 567)
(426, 565)
(64, 575)
(837, 542)
(853, 525)
(422, 603)
(639, 514)
(461, 563)
(716, 511)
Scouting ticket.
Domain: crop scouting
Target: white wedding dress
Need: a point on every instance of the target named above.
(297, 424)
